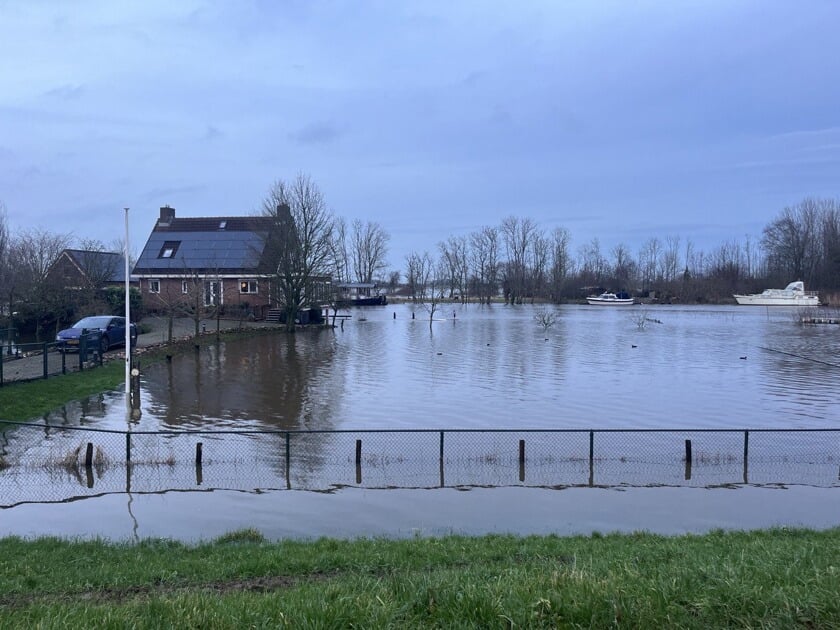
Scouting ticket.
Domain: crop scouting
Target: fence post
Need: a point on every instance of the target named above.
(64, 361)
(746, 455)
(441, 457)
(128, 448)
(46, 360)
(1, 368)
(89, 455)
(82, 350)
(288, 457)
(358, 461)
(198, 453)
(521, 460)
(688, 459)
(592, 458)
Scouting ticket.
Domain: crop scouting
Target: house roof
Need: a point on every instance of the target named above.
(112, 263)
(204, 245)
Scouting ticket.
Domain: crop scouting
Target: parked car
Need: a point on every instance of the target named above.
(111, 329)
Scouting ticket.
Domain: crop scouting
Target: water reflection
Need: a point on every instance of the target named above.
(488, 367)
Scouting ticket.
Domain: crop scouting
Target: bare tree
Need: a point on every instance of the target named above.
(540, 248)
(299, 243)
(339, 254)
(561, 262)
(32, 254)
(791, 244)
(517, 235)
(670, 260)
(484, 262)
(593, 265)
(418, 269)
(453, 252)
(649, 261)
(5, 263)
(369, 250)
(624, 267)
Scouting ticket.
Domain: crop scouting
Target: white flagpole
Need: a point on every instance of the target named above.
(127, 323)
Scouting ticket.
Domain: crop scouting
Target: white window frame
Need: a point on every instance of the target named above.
(252, 287)
(154, 286)
(219, 295)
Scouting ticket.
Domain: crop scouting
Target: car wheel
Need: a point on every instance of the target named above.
(104, 344)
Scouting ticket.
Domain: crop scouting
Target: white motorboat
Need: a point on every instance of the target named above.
(611, 299)
(793, 294)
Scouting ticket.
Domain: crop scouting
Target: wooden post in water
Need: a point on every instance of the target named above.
(746, 455)
(441, 460)
(521, 460)
(688, 460)
(199, 474)
(358, 461)
(89, 464)
(288, 461)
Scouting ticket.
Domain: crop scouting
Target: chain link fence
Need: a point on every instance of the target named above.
(54, 463)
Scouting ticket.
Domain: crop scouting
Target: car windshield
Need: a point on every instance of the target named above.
(92, 322)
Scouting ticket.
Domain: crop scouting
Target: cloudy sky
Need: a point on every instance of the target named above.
(616, 120)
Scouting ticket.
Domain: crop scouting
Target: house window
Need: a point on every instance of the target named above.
(154, 286)
(212, 293)
(169, 248)
(248, 286)
(185, 287)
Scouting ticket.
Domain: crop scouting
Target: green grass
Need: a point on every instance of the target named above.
(777, 578)
(33, 399)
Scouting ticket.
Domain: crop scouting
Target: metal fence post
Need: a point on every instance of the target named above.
(46, 360)
(127, 448)
(592, 458)
(1, 369)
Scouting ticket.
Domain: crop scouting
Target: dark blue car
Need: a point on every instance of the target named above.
(110, 330)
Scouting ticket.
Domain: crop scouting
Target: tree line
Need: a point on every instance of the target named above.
(517, 260)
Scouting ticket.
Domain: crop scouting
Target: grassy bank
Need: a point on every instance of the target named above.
(778, 578)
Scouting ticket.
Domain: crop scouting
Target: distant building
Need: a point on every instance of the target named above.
(85, 269)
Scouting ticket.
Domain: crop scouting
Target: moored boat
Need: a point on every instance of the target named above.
(611, 299)
(359, 294)
(793, 294)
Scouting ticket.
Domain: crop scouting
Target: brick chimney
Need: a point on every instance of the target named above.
(167, 214)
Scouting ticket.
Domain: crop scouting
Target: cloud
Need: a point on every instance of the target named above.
(156, 194)
(66, 92)
(316, 133)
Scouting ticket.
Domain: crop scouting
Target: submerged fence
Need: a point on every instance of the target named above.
(51, 463)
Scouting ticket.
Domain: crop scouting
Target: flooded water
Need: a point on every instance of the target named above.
(474, 368)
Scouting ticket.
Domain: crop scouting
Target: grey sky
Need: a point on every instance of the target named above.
(617, 120)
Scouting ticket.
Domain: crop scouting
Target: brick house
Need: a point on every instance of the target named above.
(210, 263)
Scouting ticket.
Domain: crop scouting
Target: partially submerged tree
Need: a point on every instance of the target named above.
(299, 242)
